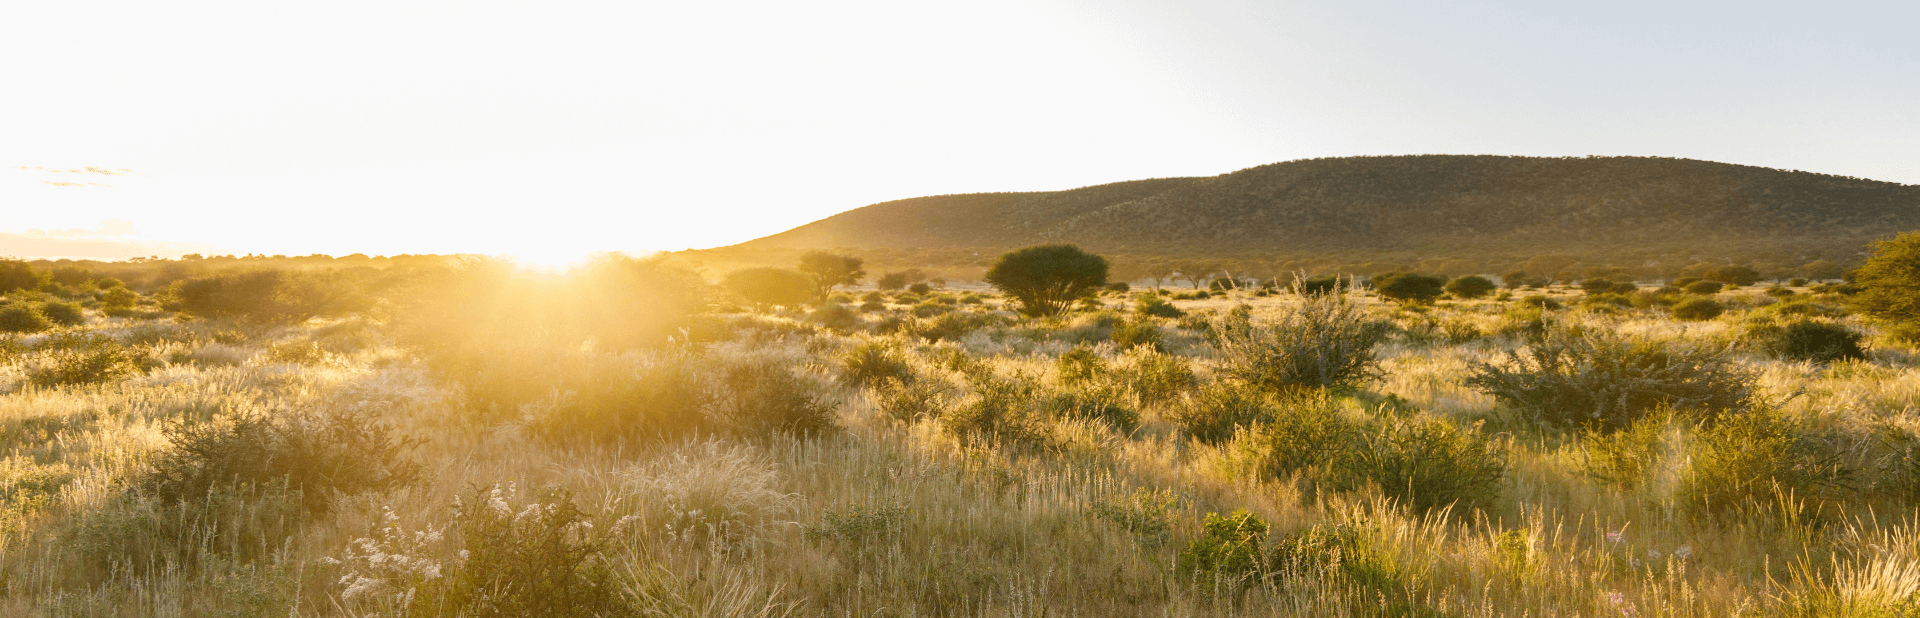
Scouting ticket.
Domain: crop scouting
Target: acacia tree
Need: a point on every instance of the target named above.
(1890, 280)
(1408, 287)
(1046, 279)
(1470, 286)
(831, 269)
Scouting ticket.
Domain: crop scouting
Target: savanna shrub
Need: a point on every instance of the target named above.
(1154, 377)
(997, 409)
(870, 363)
(1598, 378)
(1317, 286)
(1137, 332)
(1408, 287)
(1470, 287)
(1214, 413)
(1698, 309)
(540, 559)
(1227, 554)
(297, 353)
(86, 360)
(1300, 435)
(1146, 514)
(1704, 288)
(63, 314)
(836, 316)
(1819, 341)
(1085, 405)
(761, 397)
(1738, 462)
(663, 395)
(119, 298)
(1324, 341)
(908, 401)
(267, 296)
(1425, 463)
(1627, 457)
(951, 326)
(22, 318)
(1541, 301)
(350, 451)
(1080, 364)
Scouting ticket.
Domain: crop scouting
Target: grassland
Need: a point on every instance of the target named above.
(934, 456)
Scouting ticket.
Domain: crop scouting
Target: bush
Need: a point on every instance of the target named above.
(1154, 377)
(1227, 554)
(1297, 435)
(920, 289)
(1213, 414)
(349, 451)
(1408, 287)
(835, 316)
(1317, 286)
(997, 409)
(1138, 332)
(873, 362)
(541, 560)
(1703, 288)
(87, 360)
(22, 318)
(1470, 287)
(63, 314)
(1084, 405)
(761, 397)
(1324, 341)
(1079, 365)
(1540, 300)
(767, 287)
(1425, 463)
(1740, 461)
(1600, 379)
(1735, 275)
(1698, 309)
(1818, 341)
(1046, 279)
(267, 296)
(662, 396)
(1155, 306)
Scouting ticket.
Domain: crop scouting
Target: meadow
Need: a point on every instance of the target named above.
(1150, 453)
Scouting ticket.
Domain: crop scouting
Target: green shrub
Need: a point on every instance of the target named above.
(872, 306)
(1698, 309)
(349, 451)
(1214, 413)
(1541, 301)
(245, 525)
(22, 318)
(1323, 341)
(835, 316)
(1703, 288)
(1152, 376)
(1137, 332)
(1146, 514)
(927, 309)
(1084, 405)
(1227, 555)
(767, 287)
(1470, 287)
(920, 288)
(1045, 279)
(1425, 463)
(858, 524)
(872, 362)
(63, 314)
(297, 353)
(998, 409)
(1080, 365)
(762, 397)
(85, 360)
(1818, 341)
(1298, 435)
(1598, 378)
(1318, 286)
(951, 326)
(1740, 461)
(542, 560)
(267, 296)
(1627, 457)
(1779, 291)
(1408, 287)
(1156, 306)
(909, 401)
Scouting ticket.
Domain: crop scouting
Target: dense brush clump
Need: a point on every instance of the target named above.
(1805, 339)
(22, 318)
(873, 362)
(1214, 413)
(315, 453)
(80, 359)
(1324, 341)
(661, 395)
(1598, 378)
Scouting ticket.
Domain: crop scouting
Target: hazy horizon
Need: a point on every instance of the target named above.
(550, 131)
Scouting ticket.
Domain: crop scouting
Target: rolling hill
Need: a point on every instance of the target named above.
(1420, 204)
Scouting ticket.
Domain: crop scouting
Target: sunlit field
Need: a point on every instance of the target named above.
(628, 439)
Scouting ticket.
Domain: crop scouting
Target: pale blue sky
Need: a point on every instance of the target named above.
(552, 129)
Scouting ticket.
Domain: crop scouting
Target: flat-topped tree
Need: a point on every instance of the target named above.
(830, 269)
(1046, 279)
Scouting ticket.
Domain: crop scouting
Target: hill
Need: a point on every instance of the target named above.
(1628, 211)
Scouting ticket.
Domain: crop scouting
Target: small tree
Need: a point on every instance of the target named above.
(1408, 287)
(769, 286)
(1735, 275)
(891, 281)
(1890, 280)
(18, 275)
(829, 269)
(1470, 286)
(1046, 279)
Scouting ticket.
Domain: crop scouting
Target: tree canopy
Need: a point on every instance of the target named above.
(769, 286)
(1890, 280)
(1046, 279)
(1408, 287)
(831, 269)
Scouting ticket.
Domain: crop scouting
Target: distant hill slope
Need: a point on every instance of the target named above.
(1397, 203)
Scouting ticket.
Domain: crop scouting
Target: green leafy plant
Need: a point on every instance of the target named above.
(1046, 279)
(1596, 377)
(1323, 341)
(1227, 555)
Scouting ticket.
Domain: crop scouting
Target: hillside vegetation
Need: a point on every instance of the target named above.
(1620, 210)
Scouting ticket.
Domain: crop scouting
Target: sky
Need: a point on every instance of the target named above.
(549, 130)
